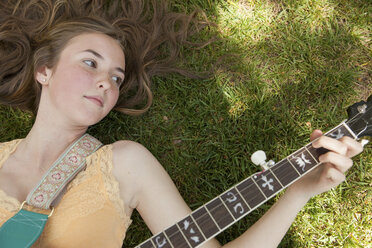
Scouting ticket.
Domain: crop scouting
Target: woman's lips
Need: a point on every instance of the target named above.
(96, 100)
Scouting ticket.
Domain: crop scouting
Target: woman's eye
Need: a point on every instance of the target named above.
(90, 63)
(117, 80)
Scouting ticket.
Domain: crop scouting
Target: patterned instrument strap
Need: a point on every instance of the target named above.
(70, 163)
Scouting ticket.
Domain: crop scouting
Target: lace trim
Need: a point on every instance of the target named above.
(9, 203)
(6, 149)
(84, 200)
(100, 163)
(112, 187)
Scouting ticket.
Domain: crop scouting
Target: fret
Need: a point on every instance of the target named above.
(227, 207)
(315, 152)
(257, 184)
(205, 221)
(176, 237)
(251, 193)
(201, 231)
(349, 132)
(191, 231)
(235, 203)
(219, 213)
(147, 244)
(246, 203)
(267, 183)
(285, 172)
(281, 185)
(161, 241)
(289, 161)
(302, 160)
(316, 159)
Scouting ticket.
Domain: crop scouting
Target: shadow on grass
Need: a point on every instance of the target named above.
(269, 96)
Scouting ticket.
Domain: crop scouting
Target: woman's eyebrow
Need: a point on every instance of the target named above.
(101, 57)
(94, 53)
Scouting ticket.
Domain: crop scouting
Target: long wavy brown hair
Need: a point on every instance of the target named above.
(33, 33)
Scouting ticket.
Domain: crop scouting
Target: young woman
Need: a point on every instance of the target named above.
(71, 73)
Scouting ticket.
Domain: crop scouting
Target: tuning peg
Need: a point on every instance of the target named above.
(259, 158)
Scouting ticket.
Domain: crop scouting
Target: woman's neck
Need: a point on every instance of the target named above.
(46, 141)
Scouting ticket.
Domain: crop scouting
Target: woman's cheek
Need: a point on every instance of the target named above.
(81, 77)
(113, 99)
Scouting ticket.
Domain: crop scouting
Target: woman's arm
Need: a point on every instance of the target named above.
(149, 188)
(160, 204)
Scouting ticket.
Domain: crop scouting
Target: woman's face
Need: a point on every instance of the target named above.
(84, 85)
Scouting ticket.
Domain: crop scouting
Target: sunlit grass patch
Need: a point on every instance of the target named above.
(247, 21)
(314, 14)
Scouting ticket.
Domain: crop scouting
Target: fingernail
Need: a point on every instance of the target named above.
(364, 142)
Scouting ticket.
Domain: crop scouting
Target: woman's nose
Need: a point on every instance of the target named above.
(104, 82)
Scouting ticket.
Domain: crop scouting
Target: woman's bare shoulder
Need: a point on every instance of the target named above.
(133, 165)
(130, 155)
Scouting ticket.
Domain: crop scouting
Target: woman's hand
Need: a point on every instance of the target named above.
(334, 165)
(328, 175)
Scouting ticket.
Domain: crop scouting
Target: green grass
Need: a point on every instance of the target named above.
(287, 68)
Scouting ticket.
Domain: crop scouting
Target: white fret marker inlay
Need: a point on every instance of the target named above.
(267, 182)
(239, 206)
(186, 225)
(337, 135)
(163, 242)
(302, 161)
(195, 239)
(233, 197)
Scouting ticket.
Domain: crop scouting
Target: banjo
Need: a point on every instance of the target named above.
(232, 205)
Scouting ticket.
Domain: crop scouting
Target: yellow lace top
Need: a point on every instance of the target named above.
(90, 213)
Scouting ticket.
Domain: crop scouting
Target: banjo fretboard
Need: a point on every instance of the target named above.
(214, 217)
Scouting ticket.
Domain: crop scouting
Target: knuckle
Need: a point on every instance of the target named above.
(325, 157)
(319, 142)
(322, 139)
(343, 149)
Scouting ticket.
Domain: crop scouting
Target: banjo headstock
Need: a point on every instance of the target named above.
(360, 118)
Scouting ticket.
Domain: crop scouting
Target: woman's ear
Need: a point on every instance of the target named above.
(43, 74)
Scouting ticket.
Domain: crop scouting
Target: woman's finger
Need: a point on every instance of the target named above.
(334, 176)
(340, 162)
(315, 134)
(346, 146)
(354, 147)
(331, 144)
